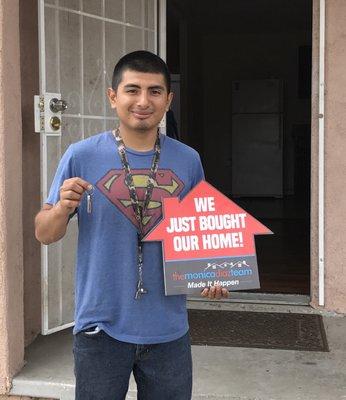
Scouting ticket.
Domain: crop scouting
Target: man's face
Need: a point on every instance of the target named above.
(140, 100)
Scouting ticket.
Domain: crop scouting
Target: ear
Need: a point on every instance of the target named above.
(169, 100)
(112, 97)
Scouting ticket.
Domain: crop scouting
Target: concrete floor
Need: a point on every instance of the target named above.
(219, 372)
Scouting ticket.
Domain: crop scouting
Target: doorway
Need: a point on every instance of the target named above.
(242, 72)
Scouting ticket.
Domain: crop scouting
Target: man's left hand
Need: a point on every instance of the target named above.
(215, 292)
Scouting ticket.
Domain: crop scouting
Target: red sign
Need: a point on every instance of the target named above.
(206, 226)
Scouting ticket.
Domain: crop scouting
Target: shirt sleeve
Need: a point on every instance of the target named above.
(64, 171)
(198, 172)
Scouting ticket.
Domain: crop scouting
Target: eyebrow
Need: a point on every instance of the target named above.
(133, 85)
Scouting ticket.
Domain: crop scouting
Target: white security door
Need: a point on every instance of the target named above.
(80, 41)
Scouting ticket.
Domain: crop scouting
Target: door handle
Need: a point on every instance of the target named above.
(57, 105)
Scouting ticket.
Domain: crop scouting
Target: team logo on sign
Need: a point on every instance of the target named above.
(113, 186)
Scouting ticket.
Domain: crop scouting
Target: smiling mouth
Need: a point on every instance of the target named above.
(141, 115)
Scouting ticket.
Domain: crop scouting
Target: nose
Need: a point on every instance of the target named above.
(143, 99)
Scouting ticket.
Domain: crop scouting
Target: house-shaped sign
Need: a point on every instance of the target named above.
(207, 239)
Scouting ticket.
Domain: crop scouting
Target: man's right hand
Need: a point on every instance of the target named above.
(51, 221)
(71, 193)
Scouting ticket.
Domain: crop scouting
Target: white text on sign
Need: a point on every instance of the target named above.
(207, 223)
(204, 204)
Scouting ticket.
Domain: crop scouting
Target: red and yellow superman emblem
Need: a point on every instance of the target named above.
(167, 184)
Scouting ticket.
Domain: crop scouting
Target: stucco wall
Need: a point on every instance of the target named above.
(335, 147)
(314, 157)
(11, 250)
(335, 161)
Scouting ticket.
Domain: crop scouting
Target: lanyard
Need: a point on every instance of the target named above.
(139, 208)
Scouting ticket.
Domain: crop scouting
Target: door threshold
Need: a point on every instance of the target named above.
(261, 299)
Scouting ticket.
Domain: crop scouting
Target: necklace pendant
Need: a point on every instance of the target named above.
(140, 290)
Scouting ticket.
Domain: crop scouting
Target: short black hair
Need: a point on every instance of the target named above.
(141, 61)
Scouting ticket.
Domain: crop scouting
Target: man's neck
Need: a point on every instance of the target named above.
(137, 140)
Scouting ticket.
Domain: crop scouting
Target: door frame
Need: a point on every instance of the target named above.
(317, 207)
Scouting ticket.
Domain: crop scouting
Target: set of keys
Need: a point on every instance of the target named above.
(89, 200)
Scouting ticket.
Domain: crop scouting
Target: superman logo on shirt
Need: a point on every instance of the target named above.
(113, 186)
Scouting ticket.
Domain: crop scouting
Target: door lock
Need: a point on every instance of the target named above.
(55, 123)
(48, 110)
(57, 105)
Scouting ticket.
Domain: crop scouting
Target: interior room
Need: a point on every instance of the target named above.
(241, 72)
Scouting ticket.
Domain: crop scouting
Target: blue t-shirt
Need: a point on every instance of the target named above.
(106, 271)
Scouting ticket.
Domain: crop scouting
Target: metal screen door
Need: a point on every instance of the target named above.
(80, 41)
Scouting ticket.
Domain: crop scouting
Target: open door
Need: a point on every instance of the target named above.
(80, 42)
(245, 76)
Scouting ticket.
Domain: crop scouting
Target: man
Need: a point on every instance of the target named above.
(115, 181)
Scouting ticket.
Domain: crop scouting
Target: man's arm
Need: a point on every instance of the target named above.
(51, 221)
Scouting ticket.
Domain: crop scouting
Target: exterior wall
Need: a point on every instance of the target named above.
(335, 161)
(335, 164)
(11, 250)
(314, 157)
(31, 167)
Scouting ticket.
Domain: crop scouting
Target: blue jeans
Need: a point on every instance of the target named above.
(103, 366)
